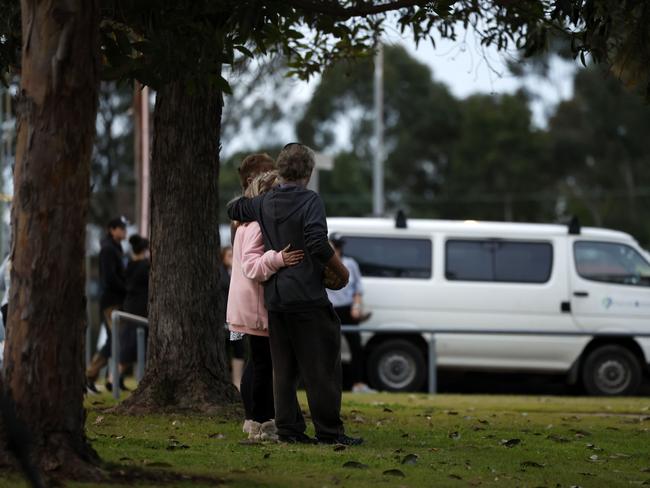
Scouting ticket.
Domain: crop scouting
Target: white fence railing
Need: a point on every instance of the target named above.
(119, 319)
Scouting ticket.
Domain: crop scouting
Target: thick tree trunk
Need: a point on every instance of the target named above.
(56, 125)
(186, 365)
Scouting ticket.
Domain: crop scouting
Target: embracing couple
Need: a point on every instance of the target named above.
(277, 299)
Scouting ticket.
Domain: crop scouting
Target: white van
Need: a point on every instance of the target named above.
(491, 275)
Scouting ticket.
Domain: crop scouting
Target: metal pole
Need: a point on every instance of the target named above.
(89, 338)
(433, 386)
(89, 334)
(115, 347)
(378, 165)
(139, 369)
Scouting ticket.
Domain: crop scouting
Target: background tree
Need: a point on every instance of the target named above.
(497, 168)
(599, 139)
(44, 348)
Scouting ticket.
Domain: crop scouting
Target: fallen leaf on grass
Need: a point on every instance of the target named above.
(387, 410)
(454, 436)
(99, 420)
(531, 464)
(580, 433)
(557, 438)
(405, 435)
(455, 477)
(510, 442)
(174, 444)
(359, 419)
(216, 435)
(450, 412)
(587, 474)
(355, 465)
(339, 447)
(483, 421)
(410, 459)
(619, 455)
(593, 457)
(394, 472)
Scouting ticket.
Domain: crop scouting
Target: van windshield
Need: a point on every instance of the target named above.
(611, 263)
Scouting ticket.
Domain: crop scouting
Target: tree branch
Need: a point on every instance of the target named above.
(335, 9)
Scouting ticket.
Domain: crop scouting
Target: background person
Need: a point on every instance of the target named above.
(348, 305)
(113, 291)
(136, 300)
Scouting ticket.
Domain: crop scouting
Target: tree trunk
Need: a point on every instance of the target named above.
(186, 364)
(56, 126)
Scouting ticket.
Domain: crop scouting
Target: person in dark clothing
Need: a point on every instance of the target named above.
(137, 298)
(113, 290)
(305, 333)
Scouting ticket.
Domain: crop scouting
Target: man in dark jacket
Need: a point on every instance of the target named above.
(113, 291)
(305, 333)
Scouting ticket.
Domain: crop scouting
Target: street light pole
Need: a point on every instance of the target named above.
(378, 164)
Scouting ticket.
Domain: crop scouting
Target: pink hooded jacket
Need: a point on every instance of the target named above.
(251, 266)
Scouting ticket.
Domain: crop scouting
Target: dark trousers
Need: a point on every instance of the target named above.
(307, 344)
(354, 341)
(257, 381)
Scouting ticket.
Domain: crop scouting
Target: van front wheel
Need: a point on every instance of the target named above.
(397, 365)
(611, 370)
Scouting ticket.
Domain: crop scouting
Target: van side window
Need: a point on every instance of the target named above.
(611, 263)
(498, 260)
(387, 257)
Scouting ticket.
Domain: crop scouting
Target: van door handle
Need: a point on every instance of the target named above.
(580, 293)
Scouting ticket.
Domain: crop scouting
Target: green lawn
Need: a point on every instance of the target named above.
(411, 440)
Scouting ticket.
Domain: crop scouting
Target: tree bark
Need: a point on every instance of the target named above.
(56, 126)
(186, 365)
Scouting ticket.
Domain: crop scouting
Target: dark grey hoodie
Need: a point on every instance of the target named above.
(291, 214)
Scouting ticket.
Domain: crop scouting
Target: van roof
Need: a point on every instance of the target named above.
(384, 225)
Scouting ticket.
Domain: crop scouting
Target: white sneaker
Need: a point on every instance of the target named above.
(246, 428)
(255, 431)
(268, 431)
(362, 388)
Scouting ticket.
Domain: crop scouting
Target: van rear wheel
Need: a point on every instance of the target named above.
(397, 365)
(611, 370)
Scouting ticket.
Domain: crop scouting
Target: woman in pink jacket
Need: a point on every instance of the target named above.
(247, 315)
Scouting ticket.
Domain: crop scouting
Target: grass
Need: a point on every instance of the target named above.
(411, 441)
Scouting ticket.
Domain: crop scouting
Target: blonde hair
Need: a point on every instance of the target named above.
(261, 184)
